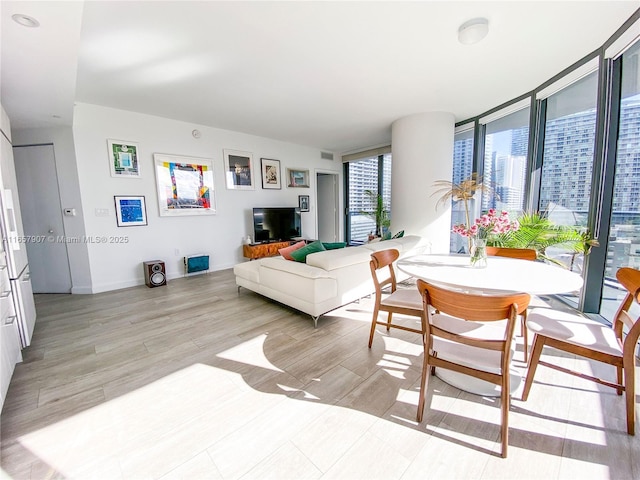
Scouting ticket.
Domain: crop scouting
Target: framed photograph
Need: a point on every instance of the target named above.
(185, 185)
(238, 170)
(298, 178)
(131, 211)
(303, 203)
(123, 159)
(270, 170)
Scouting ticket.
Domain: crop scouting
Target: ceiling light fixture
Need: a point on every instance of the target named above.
(25, 20)
(473, 31)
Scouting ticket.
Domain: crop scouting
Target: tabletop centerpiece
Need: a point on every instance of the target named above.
(491, 223)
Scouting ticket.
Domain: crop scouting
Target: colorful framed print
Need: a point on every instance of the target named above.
(270, 172)
(131, 211)
(303, 203)
(298, 178)
(238, 170)
(123, 159)
(185, 185)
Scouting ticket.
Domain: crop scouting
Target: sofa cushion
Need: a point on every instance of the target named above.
(286, 252)
(300, 255)
(334, 259)
(295, 268)
(248, 270)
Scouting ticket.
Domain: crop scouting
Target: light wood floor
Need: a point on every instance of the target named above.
(195, 380)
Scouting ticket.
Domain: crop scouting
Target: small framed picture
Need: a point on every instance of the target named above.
(238, 167)
(123, 159)
(131, 211)
(270, 173)
(298, 178)
(303, 203)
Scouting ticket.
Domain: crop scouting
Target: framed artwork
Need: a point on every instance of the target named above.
(238, 170)
(185, 185)
(298, 178)
(270, 170)
(131, 210)
(303, 203)
(123, 159)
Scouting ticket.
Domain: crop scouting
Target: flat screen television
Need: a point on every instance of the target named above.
(272, 224)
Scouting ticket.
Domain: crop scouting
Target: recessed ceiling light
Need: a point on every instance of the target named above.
(25, 20)
(473, 31)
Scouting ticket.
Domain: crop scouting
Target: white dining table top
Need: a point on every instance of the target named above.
(501, 274)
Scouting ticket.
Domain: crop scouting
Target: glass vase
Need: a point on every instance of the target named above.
(478, 256)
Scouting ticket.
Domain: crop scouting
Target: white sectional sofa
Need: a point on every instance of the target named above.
(327, 280)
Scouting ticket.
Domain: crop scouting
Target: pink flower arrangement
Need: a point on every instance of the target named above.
(487, 224)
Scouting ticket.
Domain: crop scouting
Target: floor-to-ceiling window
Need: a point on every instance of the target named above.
(623, 248)
(462, 169)
(506, 144)
(371, 173)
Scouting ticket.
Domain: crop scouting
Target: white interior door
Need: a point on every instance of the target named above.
(42, 218)
(327, 206)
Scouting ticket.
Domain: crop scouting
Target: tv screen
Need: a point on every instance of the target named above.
(272, 224)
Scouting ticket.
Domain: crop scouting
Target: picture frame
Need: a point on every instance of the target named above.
(131, 210)
(123, 159)
(270, 173)
(238, 170)
(303, 203)
(297, 178)
(185, 185)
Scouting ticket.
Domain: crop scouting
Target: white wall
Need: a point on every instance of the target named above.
(118, 265)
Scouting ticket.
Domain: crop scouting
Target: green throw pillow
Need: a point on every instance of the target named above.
(300, 255)
(333, 245)
(400, 234)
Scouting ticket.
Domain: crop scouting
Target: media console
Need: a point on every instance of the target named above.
(260, 250)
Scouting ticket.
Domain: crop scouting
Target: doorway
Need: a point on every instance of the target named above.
(42, 218)
(327, 206)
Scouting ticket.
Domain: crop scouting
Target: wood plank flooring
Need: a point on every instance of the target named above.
(196, 380)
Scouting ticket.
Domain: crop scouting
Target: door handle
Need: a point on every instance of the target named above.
(10, 319)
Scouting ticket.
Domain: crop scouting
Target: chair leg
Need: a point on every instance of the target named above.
(505, 401)
(389, 321)
(376, 310)
(630, 390)
(536, 350)
(525, 336)
(620, 378)
(424, 382)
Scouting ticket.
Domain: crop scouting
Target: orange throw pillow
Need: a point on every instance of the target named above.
(286, 252)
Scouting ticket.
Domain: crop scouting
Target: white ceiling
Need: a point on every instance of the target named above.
(332, 75)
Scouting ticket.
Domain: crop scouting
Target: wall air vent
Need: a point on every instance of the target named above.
(326, 156)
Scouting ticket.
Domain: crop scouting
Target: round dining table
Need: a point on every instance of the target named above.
(501, 275)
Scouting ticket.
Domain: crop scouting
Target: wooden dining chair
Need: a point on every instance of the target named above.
(590, 339)
(404, 301)
(523, 254)
(464, 336)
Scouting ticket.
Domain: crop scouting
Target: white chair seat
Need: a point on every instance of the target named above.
(405, 298)
(574, 329)
(479, 358)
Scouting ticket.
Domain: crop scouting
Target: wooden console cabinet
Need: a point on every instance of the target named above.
(260, 250)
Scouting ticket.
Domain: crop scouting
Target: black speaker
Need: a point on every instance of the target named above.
(154, 273)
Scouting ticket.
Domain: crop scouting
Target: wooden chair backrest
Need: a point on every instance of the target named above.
(521, 253)
(379, 260)
(630, 280)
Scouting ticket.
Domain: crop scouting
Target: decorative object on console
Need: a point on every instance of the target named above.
(270, 170)
(154, 273)
(303, 203)
(131, 211)
(286, 252)
(185, 185)
(298, 178)
(238, 170)
(196, 264)
(123, 159)
(300, 255)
